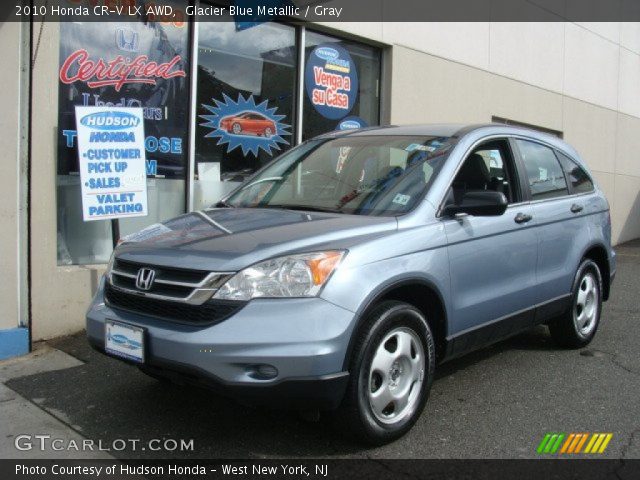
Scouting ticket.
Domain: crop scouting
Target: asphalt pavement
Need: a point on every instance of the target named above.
(495, 403)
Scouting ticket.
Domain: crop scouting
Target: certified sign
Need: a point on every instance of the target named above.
(112, 162)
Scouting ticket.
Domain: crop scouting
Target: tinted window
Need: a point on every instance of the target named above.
(580, 181)
(544, 174)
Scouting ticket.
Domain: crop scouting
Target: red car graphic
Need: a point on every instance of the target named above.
(248, 123)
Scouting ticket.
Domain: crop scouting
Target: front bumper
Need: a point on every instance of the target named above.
(305, 339)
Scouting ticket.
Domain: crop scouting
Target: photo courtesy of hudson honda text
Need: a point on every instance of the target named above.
(321, 470)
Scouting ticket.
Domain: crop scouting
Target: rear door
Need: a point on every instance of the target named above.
(492, 259)
(561, 226)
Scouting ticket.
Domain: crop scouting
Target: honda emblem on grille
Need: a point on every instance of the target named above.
(145, 278)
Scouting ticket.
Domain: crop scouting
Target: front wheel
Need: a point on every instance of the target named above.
(577, 327)
(390, 373)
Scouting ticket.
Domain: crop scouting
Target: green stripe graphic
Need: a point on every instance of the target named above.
(558, 442)
(550, 443)
(543, 443)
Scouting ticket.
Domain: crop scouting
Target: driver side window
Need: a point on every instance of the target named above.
(489, 167)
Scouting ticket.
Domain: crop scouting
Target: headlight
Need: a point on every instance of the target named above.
(291, 276)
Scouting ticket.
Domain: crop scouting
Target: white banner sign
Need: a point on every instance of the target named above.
(112, 162)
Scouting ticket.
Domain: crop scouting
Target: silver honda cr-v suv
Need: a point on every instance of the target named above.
(339, 275)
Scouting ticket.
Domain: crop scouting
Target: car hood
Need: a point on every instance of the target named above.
(229, 239)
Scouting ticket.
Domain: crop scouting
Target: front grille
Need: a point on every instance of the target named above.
(210, 312)
(169, 283)
(162, 273)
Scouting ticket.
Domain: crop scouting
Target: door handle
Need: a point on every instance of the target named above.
(575, 208)
(522, 218)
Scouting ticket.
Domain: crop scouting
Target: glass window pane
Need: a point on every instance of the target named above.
(354, 174)
(245, 103)
(341, 83)
(580, 181)
(166, 116)
(546, 178)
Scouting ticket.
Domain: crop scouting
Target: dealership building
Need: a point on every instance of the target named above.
(271, 82)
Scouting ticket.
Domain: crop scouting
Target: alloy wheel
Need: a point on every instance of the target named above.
(396, 375)
(585, 309)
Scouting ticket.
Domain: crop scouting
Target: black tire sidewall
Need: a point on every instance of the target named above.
(383, 320)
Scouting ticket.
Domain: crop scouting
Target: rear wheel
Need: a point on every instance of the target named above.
(577, 327)
(390, 374)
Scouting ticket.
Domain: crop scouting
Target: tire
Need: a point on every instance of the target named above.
(406, 369)
(236, 128)
(268, 132)
(577, 327)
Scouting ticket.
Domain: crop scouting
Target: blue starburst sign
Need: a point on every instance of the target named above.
(246, 125)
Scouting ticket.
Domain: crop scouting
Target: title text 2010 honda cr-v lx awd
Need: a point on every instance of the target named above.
(340, 274)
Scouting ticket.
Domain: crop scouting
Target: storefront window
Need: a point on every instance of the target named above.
(166, 114)
(341, 85)
(247, 96)
(245, 103)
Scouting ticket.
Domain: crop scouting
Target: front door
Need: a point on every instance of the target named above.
(492, 259)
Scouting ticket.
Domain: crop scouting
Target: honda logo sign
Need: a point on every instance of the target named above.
(145, 278)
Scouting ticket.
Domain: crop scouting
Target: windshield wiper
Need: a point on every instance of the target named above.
(309, 208)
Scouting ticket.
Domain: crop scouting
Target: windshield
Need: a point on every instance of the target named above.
(365, 175)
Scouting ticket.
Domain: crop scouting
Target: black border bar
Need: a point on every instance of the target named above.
(336, 10)
(584, 469)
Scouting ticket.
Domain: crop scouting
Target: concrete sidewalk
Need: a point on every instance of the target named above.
(24, 417)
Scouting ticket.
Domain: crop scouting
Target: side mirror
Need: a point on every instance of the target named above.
(480, 203)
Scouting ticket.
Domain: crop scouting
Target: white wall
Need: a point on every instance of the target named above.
(10, 33)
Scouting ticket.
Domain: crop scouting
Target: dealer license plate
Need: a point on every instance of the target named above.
(125, 341)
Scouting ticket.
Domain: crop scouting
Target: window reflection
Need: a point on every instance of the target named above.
(245, 103)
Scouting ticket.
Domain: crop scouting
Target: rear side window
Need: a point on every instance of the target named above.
(579, 179)
(544, 173)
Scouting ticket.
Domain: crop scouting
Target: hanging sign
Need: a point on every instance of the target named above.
(331, 80)
(111, 154)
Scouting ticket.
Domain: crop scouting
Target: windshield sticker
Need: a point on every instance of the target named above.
(401, 199)
(245, 125)
(419, 147)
